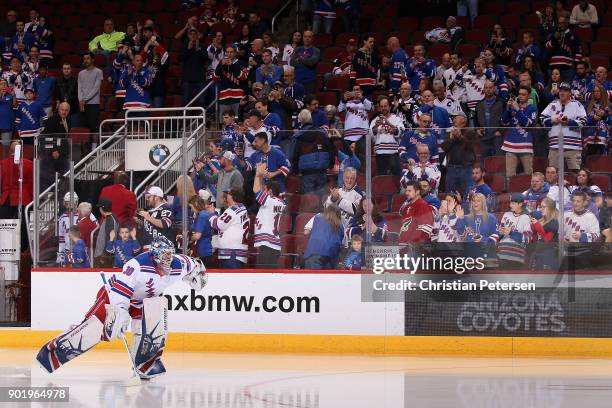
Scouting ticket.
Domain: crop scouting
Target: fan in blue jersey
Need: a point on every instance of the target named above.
(77, 257)
(124, 248)
(30, 118)
(277, 165)
(201, 229)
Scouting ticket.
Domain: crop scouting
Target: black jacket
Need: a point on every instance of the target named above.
(195, 63)
(66, 91)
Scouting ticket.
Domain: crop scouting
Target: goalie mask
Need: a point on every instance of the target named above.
(163, 251)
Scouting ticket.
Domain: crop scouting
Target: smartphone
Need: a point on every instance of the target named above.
(554, 86)
(17, 153)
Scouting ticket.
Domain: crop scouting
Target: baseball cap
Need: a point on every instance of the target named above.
(565, 85)
(29, 89)
(228, 155)
(254, 112)
(204, 194)
(517, 198)
(155, 191)
(105, 204)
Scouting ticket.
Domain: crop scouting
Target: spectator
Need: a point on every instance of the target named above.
(324, 16)
(581, 230)
(247, 103)
(294, 42)
(45, 39)
(397, 65)
(8, 101)
(356, 123)
(123, 200)
(68, 217)
(277, 166)
(77, 257)
(536, 78)
(253, 125)
(584, 183)
(518, 142)
(351, 16)
(233, 227)
(17, 79)
(136, 80)
(293, 90)
(271, 120)
(599, 122)
(342, 62)
(479, 227)
(229, 133)
(601, 78)
(489, 117)
(312, 154)
(551, 92)
(177, 202)
(87, 223)
(124, 248)
(417, 220)
(158, 220)
(427, 194)
(255, 59)
(581, 82)
(444, 101)
(319, 118)
(419, 68)
(552, 179)
(368, 216)
(479, 186)
(201, 230)
(9, 183)
(445, 64)
(514, 234)
(446, 218)
(414, 137)
(440, 119)
(66, 90)
(347, 198)
(462, 152)
(8, 28)
(231, 78)
(56, 156)
(194, 59)
(44, 86)
(243, 45)
(21, 42)
(453, 88)
(109, 227)
(565, 116)
(500, 45)
(31, 63)
(474, 84)
(563, 49)
(496, 73)
(90, 79)
(182, 34)
(226, 178)
(269, 44)
(421, 170)
(463, 6)
(215, 52)
(386, 129)
(325, 233)
(106, 42)
(29, 118)
(584, 15)
(230, 13)
(450, 34)
(283, 107)
(405, 106)
(605, 221)
(336, 125)
(528, 47)
(537, 192)
(548, 20)
(271, 208)
(156, 60)
(268, 73)
(34, 16)
(354, 260)
(305, 60)
(257, 27)
(545, 232)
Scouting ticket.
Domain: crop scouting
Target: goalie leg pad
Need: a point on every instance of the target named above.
(152, 342)
(70, 344)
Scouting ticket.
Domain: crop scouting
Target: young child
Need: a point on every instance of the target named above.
(125, 248)
(78, 255)
(354, 260)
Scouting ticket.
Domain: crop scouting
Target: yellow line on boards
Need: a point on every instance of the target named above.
(351, 344)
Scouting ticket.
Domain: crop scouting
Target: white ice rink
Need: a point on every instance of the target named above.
(97, 379)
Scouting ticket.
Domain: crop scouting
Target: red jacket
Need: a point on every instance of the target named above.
(86, 226)
(417, 223)
(123, 202)
(9, 187)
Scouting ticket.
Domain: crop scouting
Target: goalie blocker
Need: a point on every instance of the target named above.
(136, 293)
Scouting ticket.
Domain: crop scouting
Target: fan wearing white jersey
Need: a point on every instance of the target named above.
(346, 198)
(64, 224)
(136, 295)
(267, 223)
(515, 233)
(445, 101)
(233, 228)
(454, 89)
(386, 128)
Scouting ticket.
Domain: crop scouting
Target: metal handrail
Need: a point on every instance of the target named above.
(283, 9)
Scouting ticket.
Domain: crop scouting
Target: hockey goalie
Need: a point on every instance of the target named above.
(136, 295)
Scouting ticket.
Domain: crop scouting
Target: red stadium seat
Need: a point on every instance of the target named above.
(602, 48)
(495, 164)
(599, 163)
(519, 183)
(331, 52)
(602, 181)
(382, 202)
(493, 7)
(463, 21)
(300, 243)
(502, 202)
(323, 40)
(437, 50)
(531, 21)
(497, 182)
(418, 37)
(477, 37)
(396, 202)
(407, 24)
(385, 184)
(339, 83)
(585, 34)
(327, 98)
(604, 34)
(430, 22)
(288, 244)
(540, 163)
(485, 21)
(301, 220)
(518, 7)
(599, 61)
(285, 224)
(343, 38)
(468, 51)
(510, 21)
(292, 184)
(324, 68)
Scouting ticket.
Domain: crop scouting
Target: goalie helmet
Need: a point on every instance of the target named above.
(163, 251)
(74, 199)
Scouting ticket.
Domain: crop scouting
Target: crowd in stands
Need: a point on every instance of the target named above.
(465, 146)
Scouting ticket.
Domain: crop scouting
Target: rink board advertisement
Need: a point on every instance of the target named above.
(250, 303)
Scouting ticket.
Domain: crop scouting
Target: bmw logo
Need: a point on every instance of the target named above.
(158, 154)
